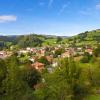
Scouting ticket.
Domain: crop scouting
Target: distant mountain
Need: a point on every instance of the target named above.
(7, 38)
(33, 40)
(23, 41)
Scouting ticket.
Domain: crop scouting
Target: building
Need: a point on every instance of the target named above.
(38, 66)
(89, 50)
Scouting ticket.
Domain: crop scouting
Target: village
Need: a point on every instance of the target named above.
(47, 56)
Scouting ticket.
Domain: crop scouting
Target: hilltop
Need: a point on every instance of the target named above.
(88, 37)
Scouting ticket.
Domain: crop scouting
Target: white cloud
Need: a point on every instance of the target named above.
(50, 3)
(85, 12)
(7, 18)
(63, 8)
(98, 6)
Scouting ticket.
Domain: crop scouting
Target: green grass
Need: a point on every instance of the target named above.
(93, 97)
(49, 42)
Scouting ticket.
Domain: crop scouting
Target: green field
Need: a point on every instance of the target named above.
(93, 97)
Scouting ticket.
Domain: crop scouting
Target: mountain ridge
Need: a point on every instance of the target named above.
(33, 40)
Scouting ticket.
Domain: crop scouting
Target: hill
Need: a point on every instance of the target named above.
(87, 38)
(33, 40)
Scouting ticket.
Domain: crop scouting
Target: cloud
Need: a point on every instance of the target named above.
(98, 6)
(85, 12)
(7, 18)
(50, 3)
(63, 8)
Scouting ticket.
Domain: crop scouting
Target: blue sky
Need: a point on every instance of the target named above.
(53, 17)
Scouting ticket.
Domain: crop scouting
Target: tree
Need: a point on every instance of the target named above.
(31, 76)
(97, 51)
(43, 60)
(72, 75)
(3, 72)
(29, 41)
(59, 39)
(86, 58)
(64, 83)
(13, 86)
(58, 52)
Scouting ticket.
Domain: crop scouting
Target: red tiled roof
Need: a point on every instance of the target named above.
(38, 65)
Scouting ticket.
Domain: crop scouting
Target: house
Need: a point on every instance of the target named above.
(38, 66)
(3, 54)
(54, 64)
(33, 59)
(89, 50)
(79, 49)
(50, 69)
(42, 52)
(49, 58)
(28, 48)
(23, 51)
(33, 50)
(65, 54)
